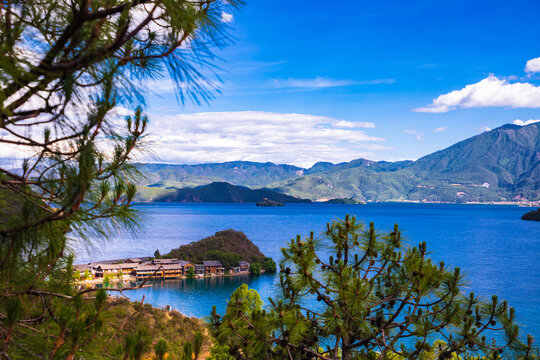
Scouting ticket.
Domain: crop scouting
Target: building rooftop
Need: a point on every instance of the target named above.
(148, 267)
(114, 266)
(212, 263)
(165, 261)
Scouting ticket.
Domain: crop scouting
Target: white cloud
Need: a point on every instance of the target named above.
(418, 135)
(226, 17)
(485, 128)
(525, 122)
(299, 139)
(491, 91)
(321, 83)
(533, 65)
(440, 129)
(353, 124)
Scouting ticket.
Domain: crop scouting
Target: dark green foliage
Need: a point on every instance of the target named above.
(160, 349)
(197, 344)
(228, 246)
(65, 68)
(137, 344)
(269, 265)
(187, 352)
(532, 215)
(378, 299)
(220, 352)
(190, 274)
(157, 255)
(255, 268)
(221, 192)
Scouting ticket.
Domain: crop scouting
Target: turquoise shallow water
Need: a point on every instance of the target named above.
(499, 252)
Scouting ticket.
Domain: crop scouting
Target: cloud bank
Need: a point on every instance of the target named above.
(298, 139)
(489, 92)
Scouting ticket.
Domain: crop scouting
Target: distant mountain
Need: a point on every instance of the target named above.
(243, 173)
(222, 192)
(501, 164)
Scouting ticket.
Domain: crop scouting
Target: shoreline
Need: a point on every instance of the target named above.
(133, 279)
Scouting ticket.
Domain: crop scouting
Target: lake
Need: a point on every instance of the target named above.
(499, 253)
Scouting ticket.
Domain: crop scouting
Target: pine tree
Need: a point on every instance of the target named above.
(67, 71)
(377, 298)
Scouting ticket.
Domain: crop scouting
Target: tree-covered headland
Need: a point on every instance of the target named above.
(227, 246)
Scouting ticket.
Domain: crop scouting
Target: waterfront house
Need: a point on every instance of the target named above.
(185, 266)
(171, 271)
(199, 269)
(104, 269)
(166, 271)
(213, 267)
(142, 272)
(243, 265)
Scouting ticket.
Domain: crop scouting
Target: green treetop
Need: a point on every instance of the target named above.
(377, 299)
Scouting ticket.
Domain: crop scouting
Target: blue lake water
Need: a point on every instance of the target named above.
(499, 252)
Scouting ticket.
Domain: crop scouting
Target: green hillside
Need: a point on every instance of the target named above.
(501, 164)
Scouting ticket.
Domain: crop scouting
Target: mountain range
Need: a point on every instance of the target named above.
(498, 165)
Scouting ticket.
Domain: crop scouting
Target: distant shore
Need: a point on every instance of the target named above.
(391, 201)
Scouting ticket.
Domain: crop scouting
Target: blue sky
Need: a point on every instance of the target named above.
(360, 78)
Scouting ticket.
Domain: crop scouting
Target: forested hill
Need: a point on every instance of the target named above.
(501, 164)
(228, 246)
(222, 192)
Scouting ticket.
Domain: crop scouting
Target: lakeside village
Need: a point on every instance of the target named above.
(140, 269)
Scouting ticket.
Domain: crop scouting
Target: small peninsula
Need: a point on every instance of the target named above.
(227, 252)
(532, 215)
